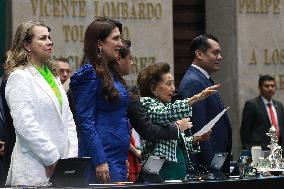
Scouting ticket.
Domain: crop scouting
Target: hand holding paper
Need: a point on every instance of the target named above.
(211, 123)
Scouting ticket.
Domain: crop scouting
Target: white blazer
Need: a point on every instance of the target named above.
(44, 131)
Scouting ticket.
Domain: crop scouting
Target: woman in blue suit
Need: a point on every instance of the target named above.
(101, 101)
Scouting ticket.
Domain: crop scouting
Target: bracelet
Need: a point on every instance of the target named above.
(178, 126)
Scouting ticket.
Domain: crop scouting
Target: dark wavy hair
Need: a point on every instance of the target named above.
(100, 29)
(123, 52)
(149, 77)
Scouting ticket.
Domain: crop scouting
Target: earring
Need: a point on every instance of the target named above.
(28, 56)
(100, 51)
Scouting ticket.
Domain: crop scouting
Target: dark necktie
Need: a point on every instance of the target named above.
(273, 119)
(221, 102)
(211, 81)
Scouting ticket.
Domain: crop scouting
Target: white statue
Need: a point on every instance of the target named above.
(275, 150)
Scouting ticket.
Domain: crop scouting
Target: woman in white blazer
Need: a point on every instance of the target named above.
(44, 125)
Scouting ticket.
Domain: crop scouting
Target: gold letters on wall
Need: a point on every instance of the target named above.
(259, 6)
(79, 9)
(269, 57)
(114, 9)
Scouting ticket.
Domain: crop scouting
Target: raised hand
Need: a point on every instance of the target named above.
(203, 94)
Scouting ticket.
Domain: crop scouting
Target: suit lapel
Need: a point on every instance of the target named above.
(208, 83)
(277, 108)
(263, 109)
(41, 82)
(200, 74)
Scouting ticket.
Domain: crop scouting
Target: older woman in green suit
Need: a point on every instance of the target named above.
(156, 85)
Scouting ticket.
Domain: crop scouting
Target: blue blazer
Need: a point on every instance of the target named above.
(193, 82)
(104, 132)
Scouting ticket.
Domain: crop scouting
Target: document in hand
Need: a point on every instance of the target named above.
(211, 123)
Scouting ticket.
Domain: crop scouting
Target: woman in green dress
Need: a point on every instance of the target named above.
(156, 87)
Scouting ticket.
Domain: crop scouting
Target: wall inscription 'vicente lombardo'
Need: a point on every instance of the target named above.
(147, 23)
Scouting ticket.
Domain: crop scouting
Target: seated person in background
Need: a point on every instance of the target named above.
(156, 86)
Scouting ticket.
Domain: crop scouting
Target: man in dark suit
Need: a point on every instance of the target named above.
(260, 114)
(205, 52)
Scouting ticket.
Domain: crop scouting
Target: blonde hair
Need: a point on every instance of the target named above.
(18, 57)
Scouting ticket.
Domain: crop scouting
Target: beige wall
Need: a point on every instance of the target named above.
(260, 45)
(250, 32)
(147, 23)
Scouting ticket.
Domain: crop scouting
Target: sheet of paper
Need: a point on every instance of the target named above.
(211, 123)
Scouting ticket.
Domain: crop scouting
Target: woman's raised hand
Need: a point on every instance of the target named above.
(203, 94)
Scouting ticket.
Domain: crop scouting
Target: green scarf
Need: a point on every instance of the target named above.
(48, 76)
